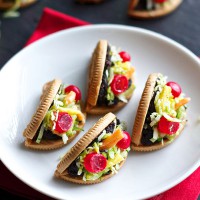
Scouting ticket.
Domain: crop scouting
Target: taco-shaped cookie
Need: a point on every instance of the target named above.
(161, 114)
(58, 118)
(98, 155)
(111, 82)
(147, 9)
(13, 4)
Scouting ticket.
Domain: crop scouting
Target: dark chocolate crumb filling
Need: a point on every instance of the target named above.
(103, 91)
(142, 6)
(47, 135)
(73, 169)
(104, 84)
(147, 132)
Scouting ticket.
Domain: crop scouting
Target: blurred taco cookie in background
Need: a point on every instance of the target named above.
(147, 9)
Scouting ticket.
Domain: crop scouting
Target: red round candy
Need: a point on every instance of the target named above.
(176, 88)
(74, 89)
(124, 56)
(167, 127)
(63, 123)
(159, 1)
(125, 142)
(119, 84)
(95, 162)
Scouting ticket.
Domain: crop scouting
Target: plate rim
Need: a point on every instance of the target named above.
(106, 26)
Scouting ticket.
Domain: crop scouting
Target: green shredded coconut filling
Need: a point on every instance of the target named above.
(165, 106)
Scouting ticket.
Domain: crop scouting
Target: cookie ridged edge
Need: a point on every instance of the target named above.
(151, 14)
(96, 72)
(78, 180)
(46, 145)
(156, 146)
(143, 108)
(46, 100)
(99, 110)
(87, 138)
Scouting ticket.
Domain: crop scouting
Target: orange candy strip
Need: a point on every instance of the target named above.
(112, 140)
(130, 73)
(182, 102)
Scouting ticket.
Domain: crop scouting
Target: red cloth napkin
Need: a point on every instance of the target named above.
(52, 21)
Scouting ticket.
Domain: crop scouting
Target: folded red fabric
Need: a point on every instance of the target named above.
(13, 185)
(52, 21)
(189, 189)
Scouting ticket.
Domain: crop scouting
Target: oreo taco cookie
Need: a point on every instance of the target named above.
(161, 114)
(98, 155)
(111, 82)
(8, 4)
(147, 9)
(58, 118)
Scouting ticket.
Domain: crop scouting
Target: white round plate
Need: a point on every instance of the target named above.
(66, 55)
